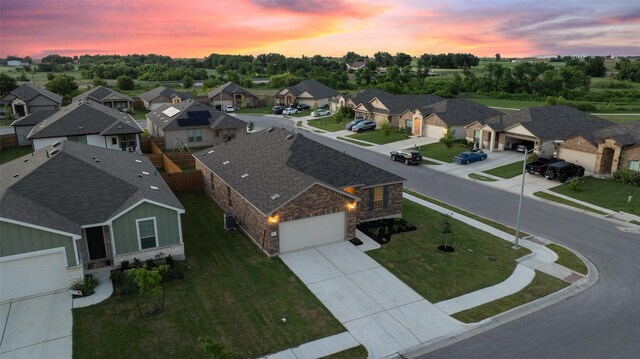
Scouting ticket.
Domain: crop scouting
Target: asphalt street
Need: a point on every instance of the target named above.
(601, 322)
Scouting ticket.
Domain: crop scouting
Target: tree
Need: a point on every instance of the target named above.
(448, 139)
(7, 84)
(385, 127)
(97, 81)
(148, 282)
(187, 82)
(63, 85)
(497, 57)
(594, 67)
(401, 59)
(125, 83)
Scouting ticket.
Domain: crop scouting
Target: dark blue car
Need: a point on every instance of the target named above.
(467, 157)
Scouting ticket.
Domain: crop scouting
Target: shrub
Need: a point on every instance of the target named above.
(576, 185)
(137, 262)
(170, 261)
(87, 285)
(150, 264)
(124, 265)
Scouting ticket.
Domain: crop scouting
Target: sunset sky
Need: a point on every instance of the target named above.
(197, 28)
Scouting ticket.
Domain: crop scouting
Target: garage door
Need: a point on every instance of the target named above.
(33, 273)
(312, 231)
(436, 132)
(584, 159)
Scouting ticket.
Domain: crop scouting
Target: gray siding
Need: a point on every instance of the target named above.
(17, 239)
(22, 132)
(125, 234)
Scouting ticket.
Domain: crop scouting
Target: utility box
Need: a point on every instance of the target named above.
(230, 221)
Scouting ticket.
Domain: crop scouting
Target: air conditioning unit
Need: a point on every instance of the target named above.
(230, 221)
(130, 148)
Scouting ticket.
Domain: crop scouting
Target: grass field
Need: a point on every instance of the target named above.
(507, 171)
(568, 259)
(379, 137)
(328, 124)
(606, 193)
(438, 151)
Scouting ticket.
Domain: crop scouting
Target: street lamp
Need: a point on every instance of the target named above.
(524, 165)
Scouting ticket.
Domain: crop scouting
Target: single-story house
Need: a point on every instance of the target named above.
(163, 96)
(358, 65)
(381, 106)
(194, 124)
(107, 97)
(70, 208)
(308, 92)
(451, 114)
(232, 94)
(29, 98)
(289, 192)
(88, 122)
(23, 126)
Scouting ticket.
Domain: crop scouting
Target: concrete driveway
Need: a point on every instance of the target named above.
(38, 327)
(378, 309)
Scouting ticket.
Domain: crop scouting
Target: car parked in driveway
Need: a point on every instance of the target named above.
(406, 156)
(467, 157)
(229, 108)
(303, 107)
(564, 171)
(277, 109)
(364, 126)
(321, 112)
(353, 123)
(289, 111)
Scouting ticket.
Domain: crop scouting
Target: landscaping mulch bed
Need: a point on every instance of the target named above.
(381, 230)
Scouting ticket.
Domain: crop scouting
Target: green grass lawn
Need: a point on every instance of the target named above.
(379, 136)
(541, 286)
(11, 153)
(606, 193)
(550, 197)
(328, 124)
(233, 293)
(346, 139)
(568, 259)
(140, 114)
(620, 118)
(438, 151)
(415, 259)
(6, 122)
(507, 171)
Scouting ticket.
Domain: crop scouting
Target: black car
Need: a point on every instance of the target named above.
(302, 107)
(408, 157)
(563, 170)
(277, 109)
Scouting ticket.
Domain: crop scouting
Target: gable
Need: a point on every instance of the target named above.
(305, 95)
(283, 92)
(378, 104)
(519, 130)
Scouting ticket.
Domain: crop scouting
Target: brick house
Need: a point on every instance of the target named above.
(29, 98)
(451, 114)
(161, 95)
(232, 94)
(289, 192)
(106, 97)
(307, 92)
(380, 106)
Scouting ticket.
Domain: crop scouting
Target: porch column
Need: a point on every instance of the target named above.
(480, 139)
(492, 140)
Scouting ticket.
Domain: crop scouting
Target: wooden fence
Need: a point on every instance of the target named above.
(182, 159)
(169, 166)
(184, 181)
(8, 140)
(155, 159)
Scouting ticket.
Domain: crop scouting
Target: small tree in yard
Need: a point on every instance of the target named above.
(187, 82)
(315, 107)
(148, 283)
(386, 128)
(448, 139)
(125, 83)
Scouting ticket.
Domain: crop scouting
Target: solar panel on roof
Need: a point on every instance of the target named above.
(171, 111)
(195, 118)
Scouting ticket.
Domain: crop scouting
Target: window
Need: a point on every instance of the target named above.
(634, 165)
(476, 134)
(79, 139)
(114, 140)
(147, 232)
(378, 197)
(194, 135)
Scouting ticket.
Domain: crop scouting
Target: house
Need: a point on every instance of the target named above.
(107, 97)
(451, 114)
(380, 106)
(163, 96)
(232, 94)
(194, 124)
(88, 122)
(289, 192)
(71, 208)
(308, 92)
(537, 126)
(16, 63)
(29, 98)
(358, 65)
(23, 126)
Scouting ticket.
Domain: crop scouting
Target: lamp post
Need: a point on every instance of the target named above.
(524, 165)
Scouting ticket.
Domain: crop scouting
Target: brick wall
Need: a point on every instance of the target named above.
(394, 208)
(435, 120)
(470, 130)
(578, 143)
(630, 154)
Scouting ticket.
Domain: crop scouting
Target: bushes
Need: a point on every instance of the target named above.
(87, 285)
(124, 278)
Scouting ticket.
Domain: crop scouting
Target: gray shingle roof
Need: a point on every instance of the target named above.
(193, 115)
(285, 166)
(71, 188)
(84, 118)
(459, 112)
(628, 134)
(397, 104)
(101, 93)
(316, 89)
(33, 118)
(29, 91)
(162, 91)
(230, 88)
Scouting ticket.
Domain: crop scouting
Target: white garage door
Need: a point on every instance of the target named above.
(312, 231)
(33, 273)
(436, 132)
(584, 159)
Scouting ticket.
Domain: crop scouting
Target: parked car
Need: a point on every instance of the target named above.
(321, 112)
(539, 166)
(289, 111)
(467, 157)
(353, 123)
(363, 126)
(302, 107)
(406, 156)
(277, 109)
(563, 170)
(523, 147)
(229, 108)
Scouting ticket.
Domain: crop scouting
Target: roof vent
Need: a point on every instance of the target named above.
(204, 154)
(97, 160)
(15, 175)
(289, 136)
(139, 175)
(145, 173)
(56, 144)
(154, 188)
(54, 152)
(80, 127)
(270, 129)
(26, 160)
(226, 162)
(210, 152)
(275, 196)
(138, 161)
(244, 175)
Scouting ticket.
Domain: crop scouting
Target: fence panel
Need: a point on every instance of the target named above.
(8, 140)
(184, 181)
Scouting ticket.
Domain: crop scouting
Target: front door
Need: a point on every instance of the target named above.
(95, 243)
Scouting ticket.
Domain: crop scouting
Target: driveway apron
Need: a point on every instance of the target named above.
(378, 309)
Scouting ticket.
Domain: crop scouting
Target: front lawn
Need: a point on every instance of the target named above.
(379, 137)
(328, 124)
(233, 293)
(507, 171)
(439, 151)
(568, 259)
(550, 197)
(480, 260)
(11, 153)
(606, 193)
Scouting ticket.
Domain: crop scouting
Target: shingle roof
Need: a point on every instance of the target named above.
(316, 89)
(396, 104)
(627, 134)
(29, 91)
(459, 112)
(33, 118)
(195, 115)
(551, 123)
(69, 189)
(84, 118)
(162, 91)
(276, 164)
(230, 88)
(101, 93)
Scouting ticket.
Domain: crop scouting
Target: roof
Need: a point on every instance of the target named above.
(162, 91)
(627, 134)
(29, 91)
(192, 114)
(79, 185)
(101, 94)
(396, 104)
(33, 118)
(230, 88)
(357, 64)
(459, 112)
(314, 88)
(551, 123)
(286, 163)
(85, 118)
